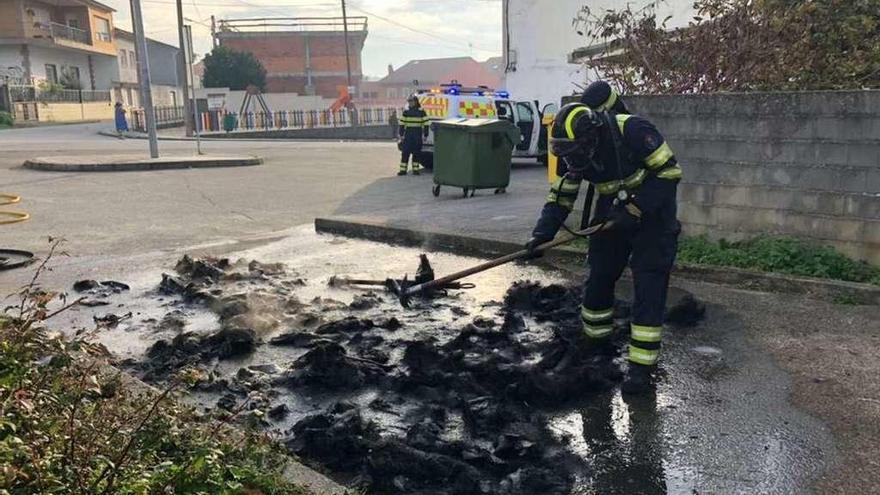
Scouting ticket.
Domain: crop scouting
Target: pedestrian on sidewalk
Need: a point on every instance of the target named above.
(412, 129)
(121, 123)
(636, 175)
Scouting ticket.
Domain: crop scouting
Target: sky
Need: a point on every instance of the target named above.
(398, 30)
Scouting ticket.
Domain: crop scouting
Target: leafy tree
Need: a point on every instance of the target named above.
(738, 45)
(227, 68)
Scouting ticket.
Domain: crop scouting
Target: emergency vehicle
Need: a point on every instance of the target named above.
(453, 100)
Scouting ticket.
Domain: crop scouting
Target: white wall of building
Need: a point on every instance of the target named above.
(61, 59)
(539, 36)
(126, 61)
(10, 56)
(275, 101)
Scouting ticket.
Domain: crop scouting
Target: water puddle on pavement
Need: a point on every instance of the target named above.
(487, 390)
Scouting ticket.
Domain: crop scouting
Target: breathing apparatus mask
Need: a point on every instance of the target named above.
(575, 137)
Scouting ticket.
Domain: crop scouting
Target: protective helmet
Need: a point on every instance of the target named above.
(413, 100)
(575, 129)
(601, 97)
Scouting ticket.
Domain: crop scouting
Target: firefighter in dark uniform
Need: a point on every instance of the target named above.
(412, 129)
(636, 176)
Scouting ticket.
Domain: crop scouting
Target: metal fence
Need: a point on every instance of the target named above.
(169, 116)
(34, 93)
(223, 121)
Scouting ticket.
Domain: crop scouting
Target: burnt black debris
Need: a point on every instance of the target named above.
(470, 396)
(168, 356)
(205, 268)
(687, 312)
(328, 366)
(97, 293)
(365, 301)
(295, 338)
(349, 324)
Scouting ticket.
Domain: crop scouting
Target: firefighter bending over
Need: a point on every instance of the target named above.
(636, 176)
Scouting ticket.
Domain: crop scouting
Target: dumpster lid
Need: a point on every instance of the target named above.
(477, 125)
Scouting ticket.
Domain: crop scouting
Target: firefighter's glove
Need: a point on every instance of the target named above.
(400, 145)
(625, 217)
(532, 247)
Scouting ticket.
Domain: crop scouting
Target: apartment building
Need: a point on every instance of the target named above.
(59, 41)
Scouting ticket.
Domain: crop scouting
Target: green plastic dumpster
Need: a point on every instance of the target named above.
(229, 122)
(473, 154)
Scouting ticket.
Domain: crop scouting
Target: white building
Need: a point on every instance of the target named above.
(539, 36)
(121, 73)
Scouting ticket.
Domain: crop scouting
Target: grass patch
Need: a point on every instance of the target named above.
(68, 426)
(771, 254)
(777, 254)
(6, 120)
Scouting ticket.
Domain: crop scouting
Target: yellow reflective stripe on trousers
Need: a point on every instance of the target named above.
(643, 333)
(659, 157)
(597, 332)
(596, 315)
(670, 173)
(643, 356)
(569, 121)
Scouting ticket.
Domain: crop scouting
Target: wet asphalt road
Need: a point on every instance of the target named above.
(719, 422)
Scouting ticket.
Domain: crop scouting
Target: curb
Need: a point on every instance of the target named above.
(255, 139)
(47, 164)
(828, 290)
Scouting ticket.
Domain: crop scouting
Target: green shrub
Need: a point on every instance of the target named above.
(6, 119)
(69, 426)
(778, 254)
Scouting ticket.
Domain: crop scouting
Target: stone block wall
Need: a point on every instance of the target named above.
(802, 164)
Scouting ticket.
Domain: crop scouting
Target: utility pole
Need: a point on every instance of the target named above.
(213, 32)
(347, 57)
(181, 70)
(137, 24)
(189, 62)
(349, 88)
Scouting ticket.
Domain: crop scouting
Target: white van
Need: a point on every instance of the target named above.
(451, 101)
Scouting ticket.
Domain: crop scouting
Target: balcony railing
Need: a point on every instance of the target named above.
(32, 93)
(60, 31)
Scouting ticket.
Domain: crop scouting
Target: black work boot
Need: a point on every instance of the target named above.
(639, 379)
(600, 347)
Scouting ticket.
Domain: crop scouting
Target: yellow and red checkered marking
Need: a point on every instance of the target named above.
(435, 106)
(476, 109)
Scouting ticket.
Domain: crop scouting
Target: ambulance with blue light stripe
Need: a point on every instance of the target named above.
(450, 101)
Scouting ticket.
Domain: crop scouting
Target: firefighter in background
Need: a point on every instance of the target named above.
(412, 129)
(636, 175)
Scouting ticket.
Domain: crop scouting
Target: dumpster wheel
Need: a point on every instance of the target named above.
(436, 190)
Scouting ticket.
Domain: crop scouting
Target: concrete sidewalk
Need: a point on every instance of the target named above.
(127, 163)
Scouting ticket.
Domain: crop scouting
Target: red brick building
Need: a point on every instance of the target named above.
(301, 55)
